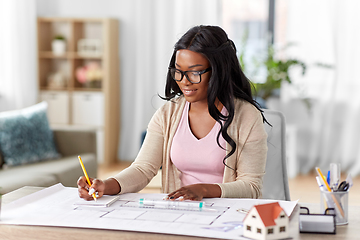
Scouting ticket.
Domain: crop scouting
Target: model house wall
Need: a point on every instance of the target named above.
(266, 221)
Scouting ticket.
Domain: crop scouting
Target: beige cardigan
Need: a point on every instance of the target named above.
(246, 129)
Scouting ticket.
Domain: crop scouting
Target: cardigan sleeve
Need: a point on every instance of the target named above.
(248, 162)
(148, 161)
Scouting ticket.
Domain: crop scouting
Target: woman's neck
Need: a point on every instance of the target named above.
(203, 106)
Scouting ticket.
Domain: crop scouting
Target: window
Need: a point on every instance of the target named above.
(248, 228)
(282, 229)
(252, 25)
(282, 216)
(270, 231)
(253, 216)
(246, 22)
(258, 230)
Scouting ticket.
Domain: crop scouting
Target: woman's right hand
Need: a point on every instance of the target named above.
(84, 188)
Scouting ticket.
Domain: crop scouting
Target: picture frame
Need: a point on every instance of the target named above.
(89, 47)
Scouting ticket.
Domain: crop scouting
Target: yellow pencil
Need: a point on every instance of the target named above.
(85, 173)
(332, 195)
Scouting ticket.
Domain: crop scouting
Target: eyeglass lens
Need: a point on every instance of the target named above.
(193, 77)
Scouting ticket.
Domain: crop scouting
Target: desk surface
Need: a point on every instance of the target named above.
(349, 231)
(13, 232)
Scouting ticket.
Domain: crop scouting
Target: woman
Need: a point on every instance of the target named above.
(209, 137)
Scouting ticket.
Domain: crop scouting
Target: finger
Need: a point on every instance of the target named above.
(82, 182)
(83, 193)
(180, 191)
(172, 193)
(99, 194)
(94, 195)
(170, 196)
(98, 186)
(92, 180)
(95, 183)
(187, 197)
(178, 194)
(186, 194)
(84, 188)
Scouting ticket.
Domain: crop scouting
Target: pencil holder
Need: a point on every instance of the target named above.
(337, 200)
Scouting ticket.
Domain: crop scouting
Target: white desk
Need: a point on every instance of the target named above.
(10, 232)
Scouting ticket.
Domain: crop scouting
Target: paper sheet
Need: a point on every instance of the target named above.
(55, 206)
(104, 201)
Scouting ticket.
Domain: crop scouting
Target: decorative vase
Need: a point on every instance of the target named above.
(58, 46)
(56, 80)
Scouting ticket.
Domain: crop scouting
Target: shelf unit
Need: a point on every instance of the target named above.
(73, 104)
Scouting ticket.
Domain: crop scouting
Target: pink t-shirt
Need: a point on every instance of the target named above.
(199, 160)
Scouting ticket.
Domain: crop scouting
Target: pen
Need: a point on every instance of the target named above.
(322, 177)
(85, 173)
(328, 188)
(328, 177)
(322, 188)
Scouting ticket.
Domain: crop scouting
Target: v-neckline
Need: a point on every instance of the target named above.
(189, 128)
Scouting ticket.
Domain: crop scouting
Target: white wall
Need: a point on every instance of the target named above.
(18, 65)
(148, 31)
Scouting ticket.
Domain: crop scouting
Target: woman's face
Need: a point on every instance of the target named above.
(187, 60)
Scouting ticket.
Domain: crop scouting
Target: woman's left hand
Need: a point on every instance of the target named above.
(196, 192)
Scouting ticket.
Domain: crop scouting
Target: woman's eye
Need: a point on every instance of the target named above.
(177, 74)
(195, 73)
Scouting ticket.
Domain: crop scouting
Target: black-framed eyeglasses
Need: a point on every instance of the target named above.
(191, 76)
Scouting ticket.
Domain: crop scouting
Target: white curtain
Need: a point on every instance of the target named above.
(325, 32)
(158, 25)
(18, 68)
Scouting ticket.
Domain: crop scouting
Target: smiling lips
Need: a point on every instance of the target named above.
(188, 91)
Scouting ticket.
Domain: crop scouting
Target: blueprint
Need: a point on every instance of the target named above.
(56, 206)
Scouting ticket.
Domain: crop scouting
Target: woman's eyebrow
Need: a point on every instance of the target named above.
(192, 66)
(196, 65)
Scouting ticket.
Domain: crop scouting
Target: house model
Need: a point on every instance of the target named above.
(266, 221)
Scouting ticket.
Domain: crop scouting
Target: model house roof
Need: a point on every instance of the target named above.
(269, 212)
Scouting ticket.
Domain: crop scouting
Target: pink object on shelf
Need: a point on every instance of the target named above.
(81, 74)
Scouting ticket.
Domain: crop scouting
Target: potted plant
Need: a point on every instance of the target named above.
(58, 45)
(277, 71)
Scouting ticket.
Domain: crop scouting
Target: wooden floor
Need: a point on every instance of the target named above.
(303, 187)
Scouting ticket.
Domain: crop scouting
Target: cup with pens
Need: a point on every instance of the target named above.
(333, 193)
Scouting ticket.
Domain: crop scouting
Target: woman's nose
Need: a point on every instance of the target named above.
(185, 80)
